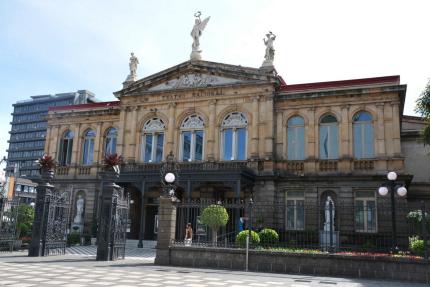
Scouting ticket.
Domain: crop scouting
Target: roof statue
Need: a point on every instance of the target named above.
(133, 68)
(270, 50)
(198, 28)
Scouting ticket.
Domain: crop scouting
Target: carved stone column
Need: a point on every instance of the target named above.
(211, 131)
(396, 129)
(166, 229)
(98, 141)
(344, 133)
(133, 142)
(268, 154)
(76, 145)
(254, 128)
(44, 188)
(380, 134)
(121, 131)
(170, 129)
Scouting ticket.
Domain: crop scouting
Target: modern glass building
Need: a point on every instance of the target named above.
(28, 132)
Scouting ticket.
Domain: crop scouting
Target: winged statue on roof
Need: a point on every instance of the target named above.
(196, 33)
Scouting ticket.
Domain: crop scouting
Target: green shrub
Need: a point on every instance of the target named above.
(417, 246)
(73, 239)
(415, 217)
(268, 237)
(241, 238)
(87, 239)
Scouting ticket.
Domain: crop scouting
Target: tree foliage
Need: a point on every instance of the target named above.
(423, 108)
(215, 216)
(25, 220)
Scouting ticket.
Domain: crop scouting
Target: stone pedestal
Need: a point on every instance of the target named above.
(166, 229)
(195, 56)
(325, 240)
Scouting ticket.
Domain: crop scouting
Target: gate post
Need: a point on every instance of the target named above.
(166, 229)
(105, 220)
(44, 189)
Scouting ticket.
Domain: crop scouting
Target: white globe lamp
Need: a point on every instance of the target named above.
(401, 191)
(169, 177)
(392, 175)
(383, 190)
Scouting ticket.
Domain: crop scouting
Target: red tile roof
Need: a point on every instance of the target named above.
(86, 106)
(339, 84)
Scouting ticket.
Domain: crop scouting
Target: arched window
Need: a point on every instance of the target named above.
(88, 154)
(110, 141)
(65, 155)
(363, 135)
(192, 134)
(153, 140)
(233, 132)
(296, 138)
(329, 145)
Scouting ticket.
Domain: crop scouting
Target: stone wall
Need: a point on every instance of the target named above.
(307, 264)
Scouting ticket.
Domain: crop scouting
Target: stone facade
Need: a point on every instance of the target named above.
(213, 91)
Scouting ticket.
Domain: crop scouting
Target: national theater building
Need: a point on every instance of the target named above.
(237, 132)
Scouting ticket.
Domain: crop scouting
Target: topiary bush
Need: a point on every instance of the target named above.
(417, 246)
(268, 237)
(214, 216)
(254, 239)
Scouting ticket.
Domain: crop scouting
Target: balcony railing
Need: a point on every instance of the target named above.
(62, 170)
(328, 165)
(364, 164)
(188, 166)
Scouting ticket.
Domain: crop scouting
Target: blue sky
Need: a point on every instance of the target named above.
(49, 47)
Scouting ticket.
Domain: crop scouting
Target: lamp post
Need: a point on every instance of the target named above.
(169, 176)
(393, 186)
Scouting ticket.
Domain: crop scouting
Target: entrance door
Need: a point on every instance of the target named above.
(151, 222)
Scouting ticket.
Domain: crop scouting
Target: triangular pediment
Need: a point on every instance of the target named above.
(197, 74)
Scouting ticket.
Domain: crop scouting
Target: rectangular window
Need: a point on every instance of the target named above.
(296, 142)
(148, 148)
(186, 146)
(295, 210)
(241, 144)
(228, 144)
(198, 155)
(159, 151)
(328, 142)
(365, 212)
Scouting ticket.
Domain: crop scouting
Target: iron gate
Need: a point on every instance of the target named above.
(8, 223)
(119, 224)
(57, 207)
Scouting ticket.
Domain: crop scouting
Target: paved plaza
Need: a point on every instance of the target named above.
(78, 269)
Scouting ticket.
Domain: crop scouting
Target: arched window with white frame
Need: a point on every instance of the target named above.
(328, 137)
(110, 141)
(153, 140)
(88, 147)
(234, 137)
(192, 137)
(65, 154)
(296, 138)
(363, 135)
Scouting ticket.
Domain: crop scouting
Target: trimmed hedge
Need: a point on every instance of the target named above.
(241, 238)
(268, 237)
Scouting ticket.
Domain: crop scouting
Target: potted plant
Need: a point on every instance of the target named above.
(112, 162)
(46, 166)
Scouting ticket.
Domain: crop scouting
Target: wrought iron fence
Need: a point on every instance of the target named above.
(8, 223)
(361, 226)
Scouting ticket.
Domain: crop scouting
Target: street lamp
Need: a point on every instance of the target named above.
(169, 175)
(393, 186)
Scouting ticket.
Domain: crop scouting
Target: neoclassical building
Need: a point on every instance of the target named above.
(237, 133)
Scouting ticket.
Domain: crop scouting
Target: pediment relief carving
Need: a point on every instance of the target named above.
(194, 80)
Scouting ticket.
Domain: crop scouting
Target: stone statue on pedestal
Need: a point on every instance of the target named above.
(79, 210)
(133, 68)
(270, 50)
(329, 220)
(196, 33)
